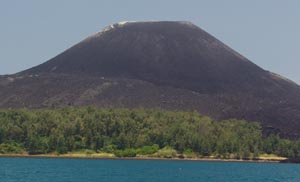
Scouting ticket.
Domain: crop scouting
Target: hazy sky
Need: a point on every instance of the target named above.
(265, 31)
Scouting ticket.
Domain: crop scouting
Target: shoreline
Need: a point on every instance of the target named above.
(91, 157)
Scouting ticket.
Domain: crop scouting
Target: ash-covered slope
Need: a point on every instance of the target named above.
(173, 53)
(171, 65)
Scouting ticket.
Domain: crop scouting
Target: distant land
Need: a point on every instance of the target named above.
(164, 65)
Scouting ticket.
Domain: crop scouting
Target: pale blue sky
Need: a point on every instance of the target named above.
(265, 31)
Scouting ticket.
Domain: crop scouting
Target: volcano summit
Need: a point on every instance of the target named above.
(169, 65)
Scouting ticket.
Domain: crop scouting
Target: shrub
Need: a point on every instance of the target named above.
(125, 153)
(166, 152)
(146, 150)
(109, 149)
(10, 148)
(188, 153)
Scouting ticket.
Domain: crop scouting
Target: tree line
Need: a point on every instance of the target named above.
(127, 132)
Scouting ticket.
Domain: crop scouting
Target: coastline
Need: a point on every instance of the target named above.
(112, 157)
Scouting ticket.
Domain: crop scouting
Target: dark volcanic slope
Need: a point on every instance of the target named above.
(172, 53)
(172, 65)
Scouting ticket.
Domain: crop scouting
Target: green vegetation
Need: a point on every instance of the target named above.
(138, 132)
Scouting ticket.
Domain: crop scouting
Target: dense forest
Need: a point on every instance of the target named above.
(127, 133)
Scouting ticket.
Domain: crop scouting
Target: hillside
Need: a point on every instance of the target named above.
(169, 65)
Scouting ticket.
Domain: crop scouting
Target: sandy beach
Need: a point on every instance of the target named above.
(105, 156)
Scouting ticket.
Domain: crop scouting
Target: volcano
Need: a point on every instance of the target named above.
(171, 65)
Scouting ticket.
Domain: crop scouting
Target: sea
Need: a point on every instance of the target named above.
(101, 170)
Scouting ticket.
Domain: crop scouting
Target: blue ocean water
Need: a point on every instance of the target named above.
(85, 170)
